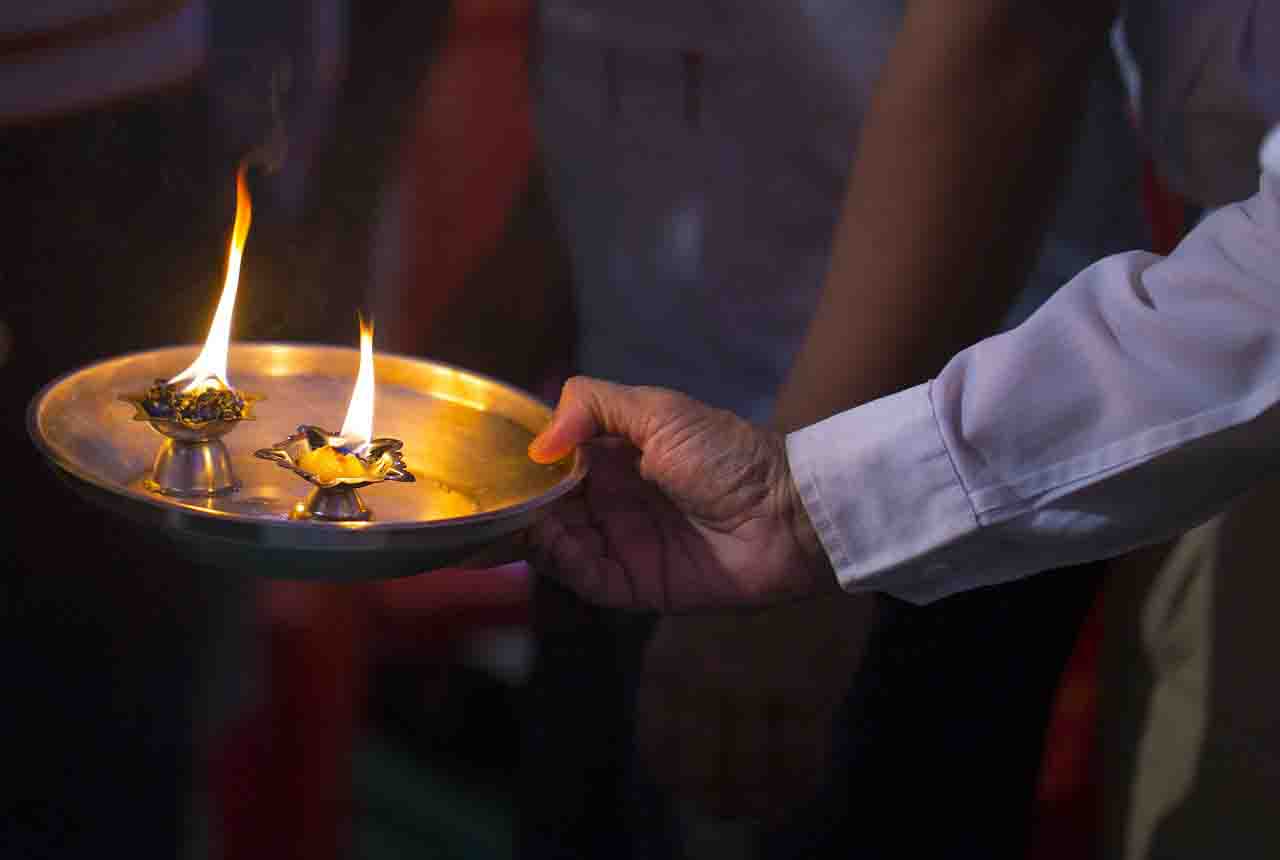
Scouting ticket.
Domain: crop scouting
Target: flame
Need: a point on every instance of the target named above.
(357, 429)
(209, 370)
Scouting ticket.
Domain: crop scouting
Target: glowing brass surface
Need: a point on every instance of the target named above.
(464, 441)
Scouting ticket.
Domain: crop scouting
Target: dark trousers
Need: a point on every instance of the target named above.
(937, 752)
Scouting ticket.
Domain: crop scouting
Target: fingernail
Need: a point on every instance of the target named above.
(538, 449)
(540, 453)
(535, 449)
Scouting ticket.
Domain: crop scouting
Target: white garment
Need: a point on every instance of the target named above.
(698, 155)
(1139, 401)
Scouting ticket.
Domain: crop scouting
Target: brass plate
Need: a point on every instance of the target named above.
(464, 437)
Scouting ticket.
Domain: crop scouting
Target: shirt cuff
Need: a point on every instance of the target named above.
(883, 495)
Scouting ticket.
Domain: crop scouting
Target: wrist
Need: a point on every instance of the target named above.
(804, 534)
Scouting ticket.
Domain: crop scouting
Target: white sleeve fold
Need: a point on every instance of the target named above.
(1140, 400)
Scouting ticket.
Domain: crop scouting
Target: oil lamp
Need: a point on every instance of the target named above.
(196, 408)
(339, 464)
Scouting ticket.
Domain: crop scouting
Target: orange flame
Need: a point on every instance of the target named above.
(357, 429)
(209, 370)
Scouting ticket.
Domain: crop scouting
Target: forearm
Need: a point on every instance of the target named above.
(947, 196)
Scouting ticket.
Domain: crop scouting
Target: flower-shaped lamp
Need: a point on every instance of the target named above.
(193, 460)
(336, 471)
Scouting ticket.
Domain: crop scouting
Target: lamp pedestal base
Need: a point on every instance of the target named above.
(199, 468)
(336, 504)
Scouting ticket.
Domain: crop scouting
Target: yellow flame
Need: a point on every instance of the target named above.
(357, 429)
(209, 370)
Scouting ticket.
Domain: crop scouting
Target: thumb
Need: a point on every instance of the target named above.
(589, 408)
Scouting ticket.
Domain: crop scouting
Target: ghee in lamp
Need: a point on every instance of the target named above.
(329, 464)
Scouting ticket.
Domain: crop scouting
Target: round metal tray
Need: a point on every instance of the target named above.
(464, 438)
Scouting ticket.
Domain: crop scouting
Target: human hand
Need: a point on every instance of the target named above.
(691, 508)
(736, 713)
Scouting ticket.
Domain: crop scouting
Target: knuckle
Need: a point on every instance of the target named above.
(575, 384)
(582, 390)
(662, 402)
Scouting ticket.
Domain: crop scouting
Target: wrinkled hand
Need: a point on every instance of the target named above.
(736, 712)
(691, 508)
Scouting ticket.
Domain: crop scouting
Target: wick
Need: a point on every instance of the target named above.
(342, 446)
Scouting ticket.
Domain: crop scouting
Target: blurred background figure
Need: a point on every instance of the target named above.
(696, 161)
(639, 191)
(1189, 720)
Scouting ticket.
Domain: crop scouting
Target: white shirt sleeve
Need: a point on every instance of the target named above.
(1137, 402)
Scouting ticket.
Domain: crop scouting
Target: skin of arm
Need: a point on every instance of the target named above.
(961, 153)
(963, 149)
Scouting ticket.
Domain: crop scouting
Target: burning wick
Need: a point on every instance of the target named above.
(193, 460)
(209, 370)
(338, 465)
(342, 457)
(208, 395)
(357, 427)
